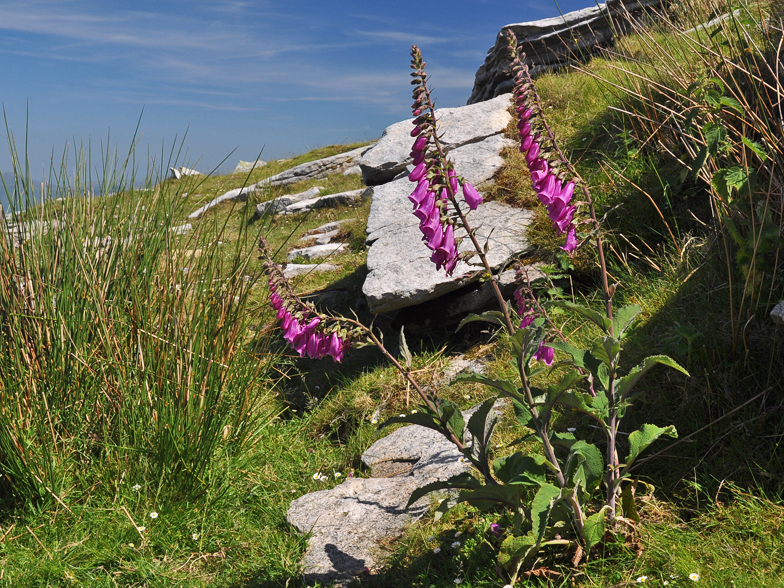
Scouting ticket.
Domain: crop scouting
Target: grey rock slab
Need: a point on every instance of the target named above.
(347, 522)
(238, 194)
(553, 43)
(293, 270)
(351, 197)
(281, 203)
(320, 238)
(317, 251)
(315, 169)
(460, 126)
(181, 229)
(244, 167)
(400, 272)
(777, 314)
(180, 172)
(331, 226)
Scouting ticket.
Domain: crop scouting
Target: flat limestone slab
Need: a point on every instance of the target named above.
(400, 271)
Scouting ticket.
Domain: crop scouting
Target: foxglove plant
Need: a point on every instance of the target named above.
(549, 494)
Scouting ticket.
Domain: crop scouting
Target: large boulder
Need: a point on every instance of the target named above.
(553, 43)
(400, 272)
(460, 126)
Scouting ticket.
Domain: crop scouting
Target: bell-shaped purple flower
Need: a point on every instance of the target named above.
(546, 189)
(471, 196)
(545, 354)
(416, 131)
(524, 128)
(526, 143)
(571, 240)
(565, 193)
(418, 173)
(420, 143)
(420, 192)
(418, 157)
(430, 225)
(533, 152)
(561, 215)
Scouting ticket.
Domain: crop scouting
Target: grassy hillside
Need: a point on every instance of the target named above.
(154, 428)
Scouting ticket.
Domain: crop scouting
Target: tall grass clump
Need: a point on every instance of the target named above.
(703, 89)
(121, 341)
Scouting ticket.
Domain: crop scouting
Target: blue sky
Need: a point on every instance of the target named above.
(287, 76)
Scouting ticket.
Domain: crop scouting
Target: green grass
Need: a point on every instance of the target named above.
(80, 437)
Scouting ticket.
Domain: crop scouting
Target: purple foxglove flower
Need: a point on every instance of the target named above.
(533, 152)
(416, 131)
(538, 176)
(561, 215)
(276, 301)
(539, 165)
(452, 180)
(471, 196)
(449, 239)
(431, 225)
(338, 355)
(444, 195)
(526, 143)
(419, 193)
(564, 193)
(435, 240)
(420, 143)
(524, 128)
(450, 264)
(546, 189)
(281, 314)
(571, 240)
(418, 157)
(418, 173)
(311, 326)
(524, 112)
(272, 286)
(439, 258)
(526, 322)
(495, 529)
(545, 354)
(427, 207)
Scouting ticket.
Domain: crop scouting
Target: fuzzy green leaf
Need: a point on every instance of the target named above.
(591, 467)
(606, 350)
(517, 552)
(487, 497)
(524, 416)
(503, 385)
(623, 317)
(643, 437)
(404, 349)
(495, 317)
(715, 135)
(625, 384)
(451, 417)
(756, 148)
(595, 317)
(422, 418)
(593, 529)
(528, 470)
(481, 425)
(578, 355)
(628, 507)
(541, 507)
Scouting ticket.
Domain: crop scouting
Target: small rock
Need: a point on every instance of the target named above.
(320, 238)
(181, 229)
(179, 172)
(280, 204)
(777, 314)
(244, 167)
(293, 270)
(317, 251)
(331, 226)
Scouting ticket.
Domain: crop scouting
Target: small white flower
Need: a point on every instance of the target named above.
(431, 538)
(440, 500)
(414, 411)
(153, 515)
(674, 576)
(458, 534)
(130, 545)
(456, 545)
(498, 446)
(141, 529)
(462, 459)
(324, 478)
(317, 476)
(374, 422)
(666, 583)
(402, 415)
(508, 586)
(694, 577)
(136, 488)
(642, 579)
(195, 536)
(437, 550)
(571, 429)
(338, 474)
(467, 397)
(458, 581)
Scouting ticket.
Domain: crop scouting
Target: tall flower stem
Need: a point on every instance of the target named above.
(613, 469)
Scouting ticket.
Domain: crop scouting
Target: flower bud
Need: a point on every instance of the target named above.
(418, 173)
(471, 196)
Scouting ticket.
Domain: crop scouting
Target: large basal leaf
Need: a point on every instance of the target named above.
(591, 468)
(504, 386)
(461, 481)
(528, 470)
(593, 528)
(594, 406)
(524, 416)
(494, 316)
(482, 423)
(597, 318)
(488, 497)
(422, 418)
(541, 506)
(625, 384)
(517, 552)
(623, 317)
(640, 439)
(578, 355)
